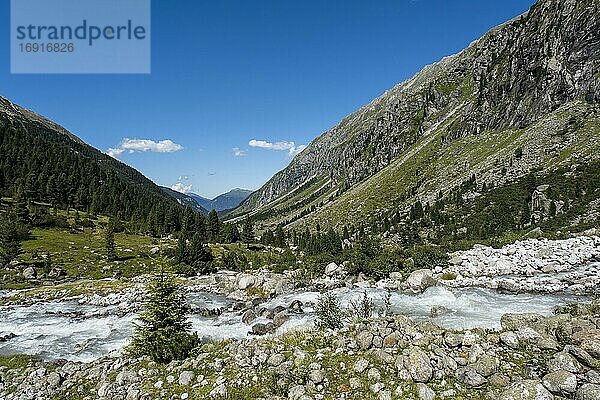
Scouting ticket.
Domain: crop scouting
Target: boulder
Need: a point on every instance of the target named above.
(296, 392)
(560, 382)
(588, 392)
(186, 378)
(425, 392)
(563, 361)
(248, 317)
(245, 281)
(332, 269)
(487, 365)
(526, 390)
(420, 280)
(262, 329)
(29, 273)
(280, 318)
(419, 365)
(513, 322)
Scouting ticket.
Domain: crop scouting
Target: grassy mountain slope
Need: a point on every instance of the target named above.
(523, 97)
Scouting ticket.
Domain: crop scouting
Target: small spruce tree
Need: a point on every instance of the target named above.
(164, 333)
(11, 234)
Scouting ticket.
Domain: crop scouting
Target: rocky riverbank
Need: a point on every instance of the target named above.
(544, 266)
(531, 358)
(390, 357)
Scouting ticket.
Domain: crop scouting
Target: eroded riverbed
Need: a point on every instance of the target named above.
(69, 330)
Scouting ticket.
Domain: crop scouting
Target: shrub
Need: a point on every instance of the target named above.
(363, 308)
(448, 276)
(164, 333)
(329, 312)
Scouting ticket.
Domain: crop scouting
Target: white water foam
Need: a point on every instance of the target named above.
(55, 330)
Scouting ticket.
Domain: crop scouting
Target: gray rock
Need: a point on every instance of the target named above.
(54, 379)
(513, 322)
(453, 339)
(526, 390)
(470, 377)
(420, 280)
(385, 395)
(29, 273)
(563, 361)
(275, 359)
(418, 365)
(588, 392)
(316, 376)
(377, 387)
(186, 378)
(246, 281)
(296, 392)
(592, 347)
(280, 318)
(437, 311)
(364, 339)
(425, 392)
(486, 365)
(510, 339)
(361, 365)
(331, 269)
(248, 317)
(560, 382)
(262, 329)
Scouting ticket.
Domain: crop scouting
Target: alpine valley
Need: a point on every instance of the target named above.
(439, 243)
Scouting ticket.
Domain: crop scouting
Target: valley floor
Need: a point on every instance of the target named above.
(518, 322)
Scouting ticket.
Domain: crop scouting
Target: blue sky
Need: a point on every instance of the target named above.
(235, 83)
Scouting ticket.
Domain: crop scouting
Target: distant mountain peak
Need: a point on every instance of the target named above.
(225, 201)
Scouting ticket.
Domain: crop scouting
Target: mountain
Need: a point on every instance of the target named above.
(46, 163)
(522, 99)
(185, 200)
(225, 201)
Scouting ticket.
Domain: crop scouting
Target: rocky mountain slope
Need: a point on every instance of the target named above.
(525, 96)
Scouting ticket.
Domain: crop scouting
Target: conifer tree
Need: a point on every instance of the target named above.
(248, 231)
(213, 227)
(11, 234)
(164, 333)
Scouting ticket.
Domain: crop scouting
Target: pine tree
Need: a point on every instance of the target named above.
(247, 231)
(280, 237)
(164, 333)
(552, 210)
(213, 226)
(11, 234)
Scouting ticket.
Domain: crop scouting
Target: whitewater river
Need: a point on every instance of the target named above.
(68, 330)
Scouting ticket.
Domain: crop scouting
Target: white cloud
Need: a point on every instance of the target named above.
(237, 152)
(143, 145)
(290, 147)
(115, 153)
(182, 187)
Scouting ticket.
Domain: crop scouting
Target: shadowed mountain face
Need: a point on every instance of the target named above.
(185, 200)
(225, 201)
(515, 89)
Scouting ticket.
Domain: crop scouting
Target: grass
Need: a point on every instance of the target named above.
(82, 255)
(17, 361)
